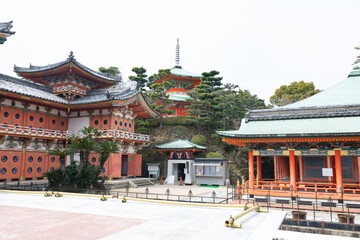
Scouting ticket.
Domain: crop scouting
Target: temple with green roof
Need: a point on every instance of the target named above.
(183, 82)
(315, 143)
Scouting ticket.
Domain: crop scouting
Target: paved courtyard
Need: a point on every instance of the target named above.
(33, 216)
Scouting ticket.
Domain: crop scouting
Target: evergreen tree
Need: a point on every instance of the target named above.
(140, 77)
(292, 93)
(158, 93)
(111, 71)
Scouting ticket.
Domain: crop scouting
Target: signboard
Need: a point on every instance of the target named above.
(199, 170)
(327, 172)
(170, 179)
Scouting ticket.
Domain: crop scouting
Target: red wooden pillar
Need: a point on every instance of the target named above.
(258, 167)
(334, 169)
(338, 170)
(275, 169)
(292, 166)
(251, 170)
(301, 167)
(328, 165)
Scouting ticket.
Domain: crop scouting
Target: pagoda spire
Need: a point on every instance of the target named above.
(177, 56)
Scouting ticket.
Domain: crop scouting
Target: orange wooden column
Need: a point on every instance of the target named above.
(333, 167)
(338, 170)
(301, 167)
(292, 166)
(328, 165)
(258, 167)
(251, 170)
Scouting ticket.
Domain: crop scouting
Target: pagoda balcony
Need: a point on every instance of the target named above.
(24, 131)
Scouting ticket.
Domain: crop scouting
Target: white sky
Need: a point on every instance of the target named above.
(258, 45)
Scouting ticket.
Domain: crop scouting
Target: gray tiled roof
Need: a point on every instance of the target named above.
(34, 69)
(26, 88)
(5, 27)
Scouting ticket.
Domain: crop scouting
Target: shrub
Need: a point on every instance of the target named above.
(214, 155)
(87, 176)
(54, 177)
(199, 140)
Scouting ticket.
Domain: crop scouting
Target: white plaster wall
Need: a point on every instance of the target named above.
(76, 124)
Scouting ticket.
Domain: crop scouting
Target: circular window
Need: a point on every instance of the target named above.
(105, 122)
(30, 159)
(62, 123)
(31, 118)
(116, 122)
(14, 170)
(93, 160)
(3, 170)
(4, 158)
(96, 122)
(52, 159)
(39, 169)
(129, 125)
(103, 170)
(6, 114)
(29, 170)
(120, 123)
(17, 116)
(125, 124)
(52, 169)
(41, 119)
(4, 125)
(40, 159)
(15, 158)
(53, 121)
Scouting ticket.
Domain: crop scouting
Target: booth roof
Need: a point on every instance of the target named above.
(180, 144)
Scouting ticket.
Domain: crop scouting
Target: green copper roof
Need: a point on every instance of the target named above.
(332, 112)
(181, 72)
(343, 93)
(179, 97)
(180, 144)
(337, 126)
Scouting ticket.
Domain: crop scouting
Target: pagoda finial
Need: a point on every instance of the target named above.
(177, 57)
(71, 56)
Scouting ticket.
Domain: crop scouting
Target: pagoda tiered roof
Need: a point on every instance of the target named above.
(334, 112)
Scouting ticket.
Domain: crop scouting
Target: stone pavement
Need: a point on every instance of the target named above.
(33, 216)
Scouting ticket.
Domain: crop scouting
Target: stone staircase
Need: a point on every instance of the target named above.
(131, 183)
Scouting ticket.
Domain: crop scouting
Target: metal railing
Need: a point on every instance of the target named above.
(297, 201)
(51, 133)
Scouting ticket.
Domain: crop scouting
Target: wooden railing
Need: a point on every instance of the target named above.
(51, 133)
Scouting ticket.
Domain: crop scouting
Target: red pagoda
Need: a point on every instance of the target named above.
(183, 82)
(51, 103)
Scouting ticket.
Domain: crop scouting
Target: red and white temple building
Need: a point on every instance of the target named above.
(51, 103)
(183, 82)
(315, 144)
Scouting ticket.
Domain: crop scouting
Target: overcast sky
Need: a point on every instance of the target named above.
(258, 45)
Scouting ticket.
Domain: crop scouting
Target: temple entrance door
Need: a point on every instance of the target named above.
(180, 171)
(124, 165)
